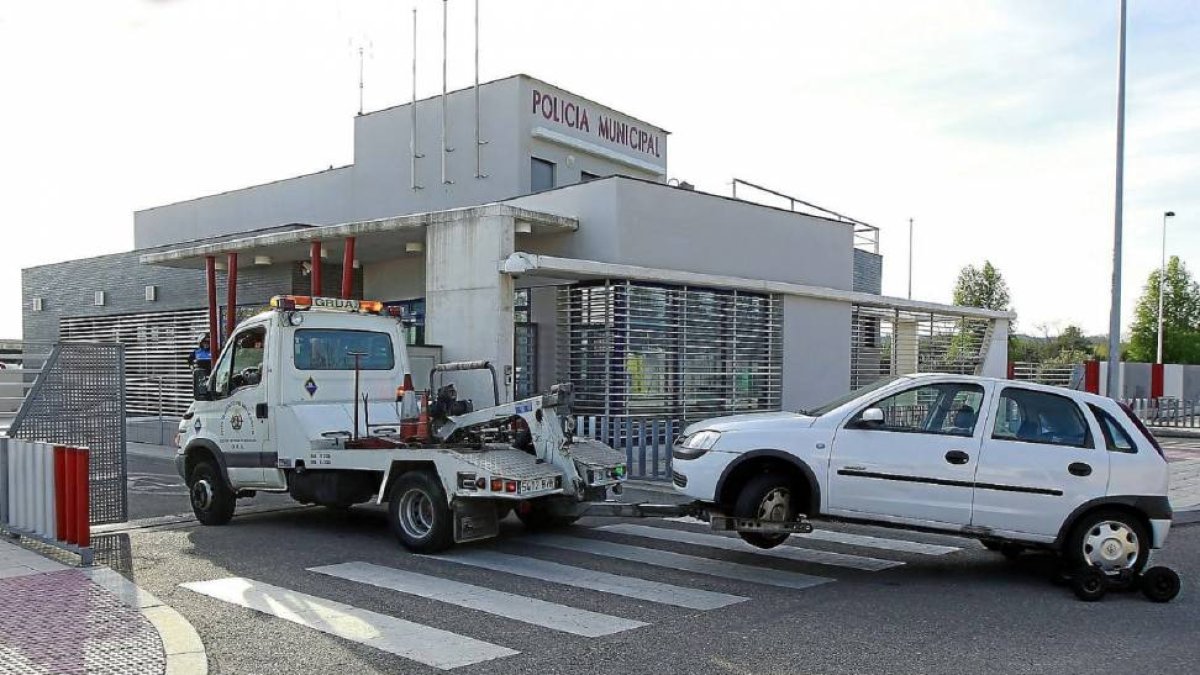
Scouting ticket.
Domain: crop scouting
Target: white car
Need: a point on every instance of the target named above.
(1013, 464)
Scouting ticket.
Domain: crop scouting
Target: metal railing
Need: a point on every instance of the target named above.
(1057, 375)
(645, 442)
(1166, 412)
(866, 236)
(891, 341)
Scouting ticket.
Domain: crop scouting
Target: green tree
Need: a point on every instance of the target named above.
(1181, 318)
(981, 287)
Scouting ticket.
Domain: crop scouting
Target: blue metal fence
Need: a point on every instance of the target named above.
(645, 441)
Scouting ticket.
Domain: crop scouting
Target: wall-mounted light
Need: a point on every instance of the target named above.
(523, 228)
(414, 247)
(99, 299)
(356, 264)
(151, 293)
(219, 265)
(262, 260)
(37, 304)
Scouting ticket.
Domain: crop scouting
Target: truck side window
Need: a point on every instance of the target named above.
(240, 364)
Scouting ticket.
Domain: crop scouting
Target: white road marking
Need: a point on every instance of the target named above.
(807, 555)
(579, 577)
(867, 541)
(679, 561)
(508, 605)
(414, 641)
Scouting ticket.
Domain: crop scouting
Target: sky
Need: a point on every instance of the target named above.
(990, 123)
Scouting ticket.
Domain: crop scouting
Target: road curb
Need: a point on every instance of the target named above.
(184, 651)
(1175, 432)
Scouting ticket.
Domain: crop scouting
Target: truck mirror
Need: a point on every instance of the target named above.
(200, 390)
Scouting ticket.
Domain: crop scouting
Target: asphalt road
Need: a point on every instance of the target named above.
(967, 611)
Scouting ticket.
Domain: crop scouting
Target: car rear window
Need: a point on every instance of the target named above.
(1142, 428)
(331, 349)
(1116, 438)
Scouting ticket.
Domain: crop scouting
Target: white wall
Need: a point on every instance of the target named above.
(816, 351)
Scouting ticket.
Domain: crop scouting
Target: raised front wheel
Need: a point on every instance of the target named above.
(766, 497)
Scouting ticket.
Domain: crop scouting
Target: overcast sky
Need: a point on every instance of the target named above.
(990, 123)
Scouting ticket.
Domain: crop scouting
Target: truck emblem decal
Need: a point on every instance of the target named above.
(197, 425)
(311, 387)
(236, 422)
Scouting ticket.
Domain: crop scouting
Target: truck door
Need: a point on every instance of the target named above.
(241, 395)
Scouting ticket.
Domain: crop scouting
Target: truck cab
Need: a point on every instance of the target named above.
(313, 398)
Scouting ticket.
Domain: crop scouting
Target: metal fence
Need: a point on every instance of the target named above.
(1166, 412)
(888, 341)
(1057, 375)
(646, 442)
(659, 351)
(78, 399)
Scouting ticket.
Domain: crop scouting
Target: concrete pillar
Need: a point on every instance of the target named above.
(995, 359)
(905, 347)
(468, 302)
(1173, 380)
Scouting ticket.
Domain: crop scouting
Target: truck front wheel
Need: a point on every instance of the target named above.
(767, 497)
(419, 515)
(212, 500)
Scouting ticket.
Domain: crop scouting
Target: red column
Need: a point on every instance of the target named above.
(1012, 370)
(1156, 380)
(210, 273)
(231, 295)
(348, 269)
(69, 498)
(315, 256)
(83, 519)
(60, 493)
(1091, 376)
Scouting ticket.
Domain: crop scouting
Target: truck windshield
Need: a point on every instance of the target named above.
(331, 349)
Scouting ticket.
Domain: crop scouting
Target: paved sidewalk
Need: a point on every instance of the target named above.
(59, 619)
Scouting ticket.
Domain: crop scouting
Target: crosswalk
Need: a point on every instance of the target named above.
(693, 583)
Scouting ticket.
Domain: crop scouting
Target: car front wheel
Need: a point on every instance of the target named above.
(766, 497)
(1115, 542)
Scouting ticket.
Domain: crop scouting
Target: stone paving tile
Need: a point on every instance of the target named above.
(62, 622)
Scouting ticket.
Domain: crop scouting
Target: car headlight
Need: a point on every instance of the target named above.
(697, 444)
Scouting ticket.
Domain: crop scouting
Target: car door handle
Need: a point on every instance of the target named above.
(957, 457)
(1080, 469)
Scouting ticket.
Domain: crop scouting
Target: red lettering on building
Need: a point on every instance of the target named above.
(575, 116)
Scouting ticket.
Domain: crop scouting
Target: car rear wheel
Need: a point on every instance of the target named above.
(1113, 541)
(766, 497)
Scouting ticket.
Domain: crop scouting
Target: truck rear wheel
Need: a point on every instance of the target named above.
(419, 515)
(212, 500)
(766, 497)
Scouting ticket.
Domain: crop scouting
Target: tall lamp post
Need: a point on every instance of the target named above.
(1162, 283)
(1113, 380)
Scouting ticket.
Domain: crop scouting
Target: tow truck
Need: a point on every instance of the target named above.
(314, 398)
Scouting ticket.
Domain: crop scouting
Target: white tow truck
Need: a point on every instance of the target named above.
(313, 398)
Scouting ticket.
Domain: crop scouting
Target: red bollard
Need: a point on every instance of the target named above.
(60, 493)
(68, 487)
(83, 522)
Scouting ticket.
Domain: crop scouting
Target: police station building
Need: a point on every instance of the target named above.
(547, 240)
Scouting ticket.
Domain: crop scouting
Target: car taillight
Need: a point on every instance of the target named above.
(1142, 428)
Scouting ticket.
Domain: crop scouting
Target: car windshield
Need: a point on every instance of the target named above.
(846, 398)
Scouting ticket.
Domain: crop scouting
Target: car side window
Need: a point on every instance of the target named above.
(1040, 417)
(1116, 438)
(949, 408)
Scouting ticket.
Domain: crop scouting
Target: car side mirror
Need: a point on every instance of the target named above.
(871, 417)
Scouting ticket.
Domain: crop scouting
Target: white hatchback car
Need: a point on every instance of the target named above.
(1013, 464)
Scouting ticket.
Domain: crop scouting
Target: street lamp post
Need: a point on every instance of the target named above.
(1113, 380)
(1162, 283)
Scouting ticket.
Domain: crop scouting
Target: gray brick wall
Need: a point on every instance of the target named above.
(868, 272)
(68, 289)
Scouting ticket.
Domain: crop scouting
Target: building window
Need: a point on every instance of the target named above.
(586, 177)
(412, 317)
(541, 174)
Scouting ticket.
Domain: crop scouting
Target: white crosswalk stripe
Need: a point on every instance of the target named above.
(423, 644)
(508, 605)
(866, 541)
(579, 577)
(731, 544)
(679, 561)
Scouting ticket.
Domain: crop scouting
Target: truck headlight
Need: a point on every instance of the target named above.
(697, 444)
